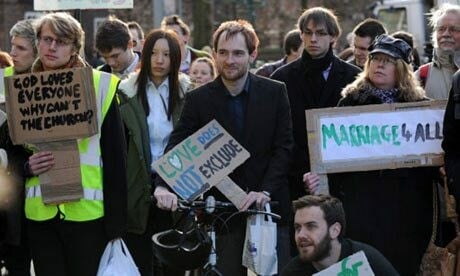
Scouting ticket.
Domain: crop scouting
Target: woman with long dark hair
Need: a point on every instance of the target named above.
(151, 101)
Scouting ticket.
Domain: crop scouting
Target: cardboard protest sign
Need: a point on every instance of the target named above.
(373, 137)
(354, 265)
(51, 106)
(63, 182)
(200, 161)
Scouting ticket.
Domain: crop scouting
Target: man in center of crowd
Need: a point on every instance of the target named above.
(243, 103)
(313, 81)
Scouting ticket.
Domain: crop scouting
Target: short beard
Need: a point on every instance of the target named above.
(238, 76)
(322, 250)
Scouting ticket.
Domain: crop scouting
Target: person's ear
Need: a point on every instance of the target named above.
(186, 38)
(253, 56)
(333, 40)
(334, 230)
(130, 44)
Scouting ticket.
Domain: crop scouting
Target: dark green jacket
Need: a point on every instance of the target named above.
(139, 158)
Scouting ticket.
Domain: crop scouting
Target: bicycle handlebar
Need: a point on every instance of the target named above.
(185, 205)
(210, 205)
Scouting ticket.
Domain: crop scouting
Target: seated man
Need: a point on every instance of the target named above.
(319, 225)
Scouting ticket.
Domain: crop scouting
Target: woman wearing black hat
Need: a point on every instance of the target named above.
(389, 209)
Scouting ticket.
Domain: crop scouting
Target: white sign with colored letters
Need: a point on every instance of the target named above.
(371, 137)
(354, 265)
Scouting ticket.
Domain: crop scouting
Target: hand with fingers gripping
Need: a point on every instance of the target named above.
(40, 162)
(166, 200)
(311, 181)
(260, 198)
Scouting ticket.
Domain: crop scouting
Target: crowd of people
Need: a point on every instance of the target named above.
(154, 90)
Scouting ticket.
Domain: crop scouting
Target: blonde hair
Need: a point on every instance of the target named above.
(209, 62)
(406, 82)
(64, 26)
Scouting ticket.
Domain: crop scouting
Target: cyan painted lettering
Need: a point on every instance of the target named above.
(394, 134)
(354, 136)
(329, 133)
(383, 133)
(363, 139)
(375, 137)
(344, 135)
(168, 174)
(192, 148)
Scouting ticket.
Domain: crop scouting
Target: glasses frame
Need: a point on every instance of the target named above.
(48, 40)
(321, 33)
(382, 59)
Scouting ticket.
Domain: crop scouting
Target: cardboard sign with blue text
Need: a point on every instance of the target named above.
(200, 161)
(51, 106)
(354, 265)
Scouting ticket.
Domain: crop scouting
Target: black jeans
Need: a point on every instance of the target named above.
(64, 248)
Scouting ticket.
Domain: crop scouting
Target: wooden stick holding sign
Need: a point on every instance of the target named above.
(231, 190)
(202, 161)
(51, 110)
(66, 170)
(375, 137)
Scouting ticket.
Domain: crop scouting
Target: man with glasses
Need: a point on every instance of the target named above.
(436, 76)
(313, 81)
(115, 45)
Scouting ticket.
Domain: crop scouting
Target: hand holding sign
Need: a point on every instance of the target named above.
(41, 162)
(202, 161)
(51, 110)
(311, 181)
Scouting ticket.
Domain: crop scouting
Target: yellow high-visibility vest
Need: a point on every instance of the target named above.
(91, 206)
